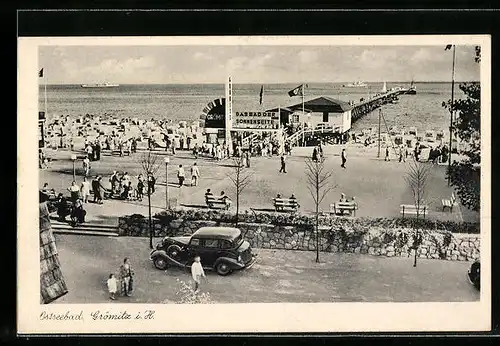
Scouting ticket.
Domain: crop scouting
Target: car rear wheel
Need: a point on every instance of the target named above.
(173, 251)
(160, 262)
(223, 269)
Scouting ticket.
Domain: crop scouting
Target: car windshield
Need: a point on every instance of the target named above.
(237, 241)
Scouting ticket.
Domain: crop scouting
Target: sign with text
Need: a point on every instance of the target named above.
(266, 120)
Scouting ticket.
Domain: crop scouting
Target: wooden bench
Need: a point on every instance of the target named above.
(117, 152)
(280, 204)
(351, 207)
(216, 203)
(412, 209)
(449, 203)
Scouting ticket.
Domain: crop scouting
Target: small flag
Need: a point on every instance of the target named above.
(261, 93)
(298, 91)
(40, 73)
(448, 46)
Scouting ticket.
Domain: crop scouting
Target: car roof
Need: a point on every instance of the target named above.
(229, 233)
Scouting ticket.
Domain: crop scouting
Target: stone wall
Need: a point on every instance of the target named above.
(339, 237)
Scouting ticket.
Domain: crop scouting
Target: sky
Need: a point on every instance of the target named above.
(253, 64)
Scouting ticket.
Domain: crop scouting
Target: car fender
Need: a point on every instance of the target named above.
(156, 253)
(234, 264)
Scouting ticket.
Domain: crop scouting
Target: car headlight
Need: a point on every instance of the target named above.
(239, 259)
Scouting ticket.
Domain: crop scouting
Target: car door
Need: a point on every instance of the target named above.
(208, 251)
(194, 247)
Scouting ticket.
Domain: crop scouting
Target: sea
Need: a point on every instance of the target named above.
(186, 101)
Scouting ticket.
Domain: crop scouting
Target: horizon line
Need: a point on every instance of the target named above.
(276, 83)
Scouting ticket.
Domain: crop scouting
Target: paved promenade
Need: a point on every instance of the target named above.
(379, 186)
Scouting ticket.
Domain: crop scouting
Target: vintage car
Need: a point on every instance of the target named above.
(474, 274)
(222, 249)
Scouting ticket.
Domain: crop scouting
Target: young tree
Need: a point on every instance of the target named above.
(416, 177)
(318, 184)
(240, 180)
(150, 164)
(465, 175)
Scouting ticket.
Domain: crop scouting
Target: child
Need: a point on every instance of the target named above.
(112, 286)
(197, 272)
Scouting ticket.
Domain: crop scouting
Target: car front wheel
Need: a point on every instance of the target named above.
(223, 269)
(160, 262)
(173, 251)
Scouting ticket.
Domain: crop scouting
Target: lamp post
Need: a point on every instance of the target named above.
(451, 114)
(73, 158)
(167, 160)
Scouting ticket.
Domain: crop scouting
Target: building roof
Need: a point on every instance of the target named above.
(217, 232)
(324, 104)
(281, 109)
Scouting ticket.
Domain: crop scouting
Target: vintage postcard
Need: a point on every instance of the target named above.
(254, 184)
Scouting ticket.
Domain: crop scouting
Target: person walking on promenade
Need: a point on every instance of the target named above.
(133, 145)
(174, 145)
(283, 164)
(315, 154)
(74, 191)
(151, 183)
(100, 190)
(112, 286)
(181, 143)
(72, 144)
(196, 150)
(140, 187)
(86, 166)
(114, 182)
(95, 188)
(247, 158)
(181, 175)
(400, 154)
(89, 151)
(195, 174)
(120, 146)
(387, 158)
(126, 277)
(85, 190)
(197, 273)
(344, 158)
(98, 148)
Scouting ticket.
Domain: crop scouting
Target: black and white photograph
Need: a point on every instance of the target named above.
(256, 173)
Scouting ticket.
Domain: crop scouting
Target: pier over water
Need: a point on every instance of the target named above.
(364, 107)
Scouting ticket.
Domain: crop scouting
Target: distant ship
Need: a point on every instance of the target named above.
(100, 85)
(355, 85)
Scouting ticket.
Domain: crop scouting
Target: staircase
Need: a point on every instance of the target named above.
(325, 132)
(245, 142)
(84, 229)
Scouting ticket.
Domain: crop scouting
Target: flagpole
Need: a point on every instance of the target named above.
(303, 113)
(45, 92)
(303, 91)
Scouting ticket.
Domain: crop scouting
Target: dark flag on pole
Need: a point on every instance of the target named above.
(40, 73)
(448, 46)
(261, 93)
(298, 91)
